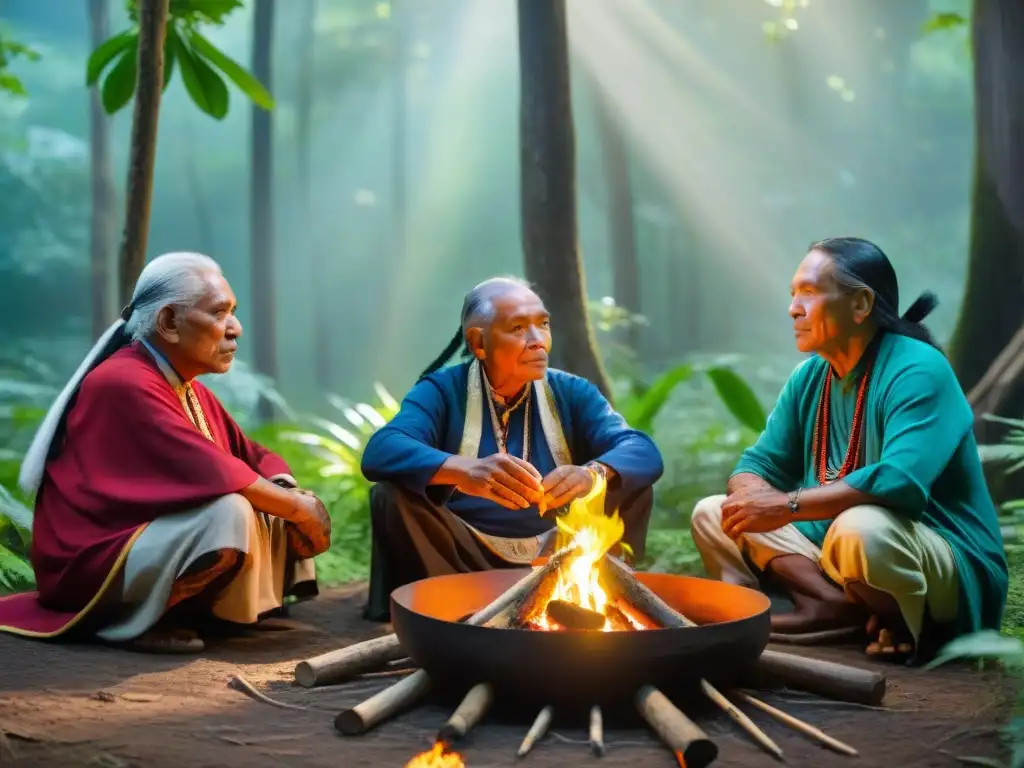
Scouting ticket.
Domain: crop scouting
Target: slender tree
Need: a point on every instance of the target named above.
(548, 186)
(103, 235)
(261, 201)
(145, 118)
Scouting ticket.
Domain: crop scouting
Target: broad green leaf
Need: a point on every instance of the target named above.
(738, 397)
(941, 22)
(640, 412)
(985, 644)
(119, 84)
(170, 53)
(15, 573)
(14, 510)
(107, 52)
(12, 85)
(205, 86)
(234, 71)
(208, 11)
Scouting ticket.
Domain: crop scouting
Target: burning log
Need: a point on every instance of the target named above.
(596, 731)
(572, 616)
(472, 709)
(687, 741)
(537, 730)
(825, 678)
(377, 708)
(335, 666)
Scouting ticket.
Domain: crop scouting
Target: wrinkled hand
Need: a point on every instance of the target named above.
(755, 510)
(310, 533)
(504, 479)
(565, 484)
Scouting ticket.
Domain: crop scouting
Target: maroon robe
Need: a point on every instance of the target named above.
(130, 455)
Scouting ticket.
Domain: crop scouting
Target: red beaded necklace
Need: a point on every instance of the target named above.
(821, 425)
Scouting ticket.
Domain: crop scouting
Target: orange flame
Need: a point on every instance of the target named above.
(586, 524)
(438, 757)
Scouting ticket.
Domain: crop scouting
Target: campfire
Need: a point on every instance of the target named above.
(583, 606)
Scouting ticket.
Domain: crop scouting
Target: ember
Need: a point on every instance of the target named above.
(438, 757)
(585, 525)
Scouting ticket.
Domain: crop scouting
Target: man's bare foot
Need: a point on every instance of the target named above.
(167, 640)
(895, 642)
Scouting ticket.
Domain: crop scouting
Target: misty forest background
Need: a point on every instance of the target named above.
(656, 167)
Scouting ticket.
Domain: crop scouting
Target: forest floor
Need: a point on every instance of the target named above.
(65, 705)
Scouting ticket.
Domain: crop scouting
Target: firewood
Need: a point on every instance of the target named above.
(362, 717)
(537, 730)
(572, 616)
(377, 708)
(472, 709)
(596, 731)
(633, 590)
(840, 682)
(799, 725)
(688, 742)
(335, 666)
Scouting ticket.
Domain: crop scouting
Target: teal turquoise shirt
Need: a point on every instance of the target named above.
(919, 459)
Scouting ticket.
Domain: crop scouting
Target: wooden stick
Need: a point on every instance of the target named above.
(377, 708)
(799, 725)
(690, 745)
(596, 731)
(648, 602)
(472, 709)
(335, 666)
(537, 730)
(741, 719)
(825, 678)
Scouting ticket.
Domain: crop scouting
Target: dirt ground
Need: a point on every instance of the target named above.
(64, 705)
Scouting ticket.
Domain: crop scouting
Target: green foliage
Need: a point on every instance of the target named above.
(325, 457)
(645, 402)
(203, 66)
(738, 397)
(9, 51)
(943, 22)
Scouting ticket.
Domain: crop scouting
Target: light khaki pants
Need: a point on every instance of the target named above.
(866, 544)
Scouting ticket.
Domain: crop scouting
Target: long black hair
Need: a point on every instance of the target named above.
(861, 264)
(475, 306)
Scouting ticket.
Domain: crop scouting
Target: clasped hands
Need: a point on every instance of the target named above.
(309, 533)
(516, 484)
(755, 509)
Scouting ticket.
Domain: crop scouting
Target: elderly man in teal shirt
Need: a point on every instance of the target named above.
(864, 497)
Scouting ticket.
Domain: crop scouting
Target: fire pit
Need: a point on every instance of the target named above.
(574, 664)
(581, 628)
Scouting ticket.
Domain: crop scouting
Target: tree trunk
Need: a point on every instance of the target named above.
(103, 235)
(992, 310)
(319, 268)
(547, 146)
(261, 204)
(619, 209)
(145, 118)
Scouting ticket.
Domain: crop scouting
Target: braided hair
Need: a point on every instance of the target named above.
(860, 264)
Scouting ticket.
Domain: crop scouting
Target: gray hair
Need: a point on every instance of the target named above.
(171, 280)
(477, 307)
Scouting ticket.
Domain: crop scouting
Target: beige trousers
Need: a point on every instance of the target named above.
(171, 544)
(866, 544)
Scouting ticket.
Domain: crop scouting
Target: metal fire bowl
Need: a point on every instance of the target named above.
(578, 664)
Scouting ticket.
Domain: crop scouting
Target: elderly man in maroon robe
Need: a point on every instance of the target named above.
(151, 504)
